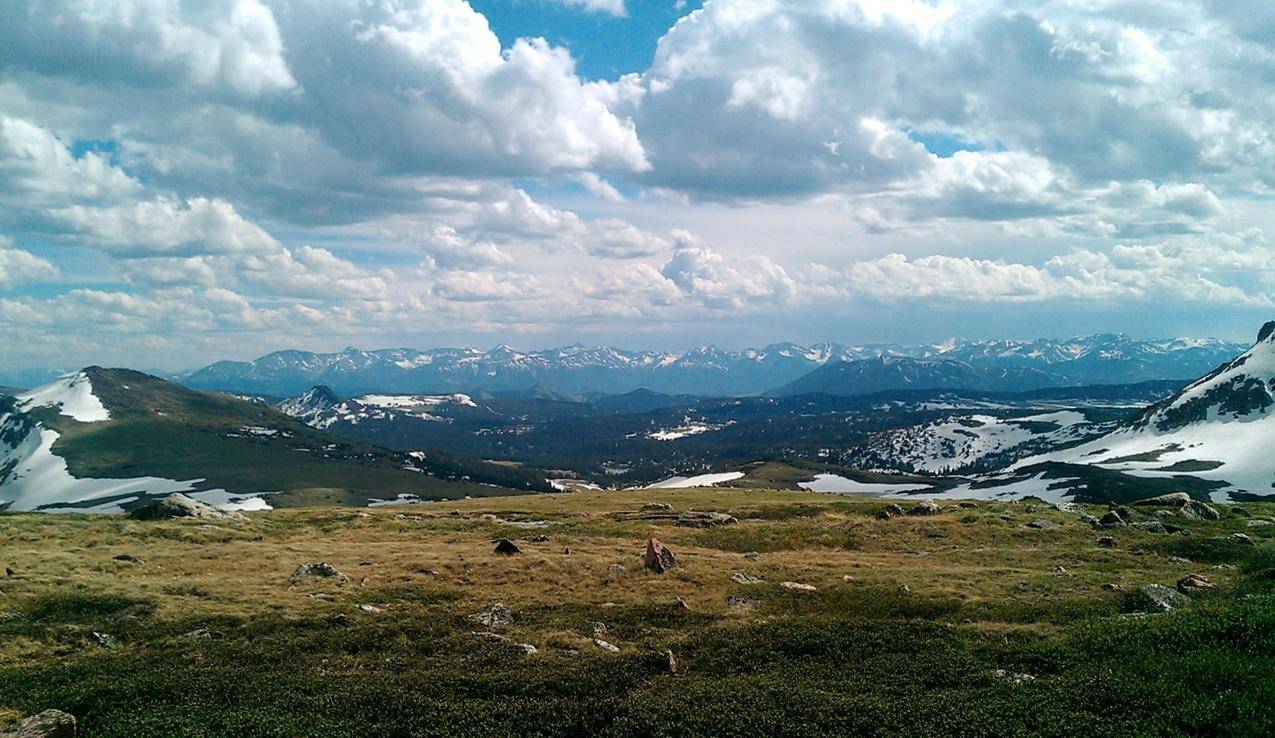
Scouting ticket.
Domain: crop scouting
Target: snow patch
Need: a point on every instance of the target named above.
(72, 394)
(702, 480)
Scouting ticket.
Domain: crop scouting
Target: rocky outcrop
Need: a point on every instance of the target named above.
(659, 558)
(178, 505)
(47, 724)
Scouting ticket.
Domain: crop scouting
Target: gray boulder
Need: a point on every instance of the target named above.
(321, 570)
(47, 724)
(1196, 510)
(1194, 584)
(178, 505)
(1173, 499)
(925, 507)
(1159, 598)
(495, 615)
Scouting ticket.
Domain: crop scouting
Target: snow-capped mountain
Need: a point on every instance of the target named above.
(321, 407)
(705, 370)
(1220, 429)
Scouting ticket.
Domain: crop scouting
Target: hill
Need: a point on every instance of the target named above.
(109, 438)
(998, 620)
(894, 373)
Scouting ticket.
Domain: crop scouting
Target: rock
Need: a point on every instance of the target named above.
(527, 648)
(1179, 560)
(692, 519)
(608, 647)
(741, 604)
(1159, 598)
(127, 558)
(1257, 523)
(656, 507)
(1088, 519)
(680, 604)
(537, 539)
(1194, 584)
(798, 586)
(752, 556)
(967, 505)
(925, 507)
(615, 571)
(10, 572)
(1013, 677)
(321, 570)
(47, 724)
(1112, 519)
(1241, 512)
(1171, 528)
(566, 551)
(1150, 526)
(373, 609)
(1059, 569)
(506, 547)
(905, 589)
(597, 628)
(198, 633)
(1173, 499)
(1108, 542)
(105, 640)
(1068, 507)
(659, 558)
(495, 615)
(1196, 510)
(1113, 587)
(742, 578)
(670, 662)
(178, 505)
(1241, 538)
(1042, 524)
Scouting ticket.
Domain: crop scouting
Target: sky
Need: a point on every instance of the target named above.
(185, 181)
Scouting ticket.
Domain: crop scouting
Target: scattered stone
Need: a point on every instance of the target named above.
(1088, 519)
(705, 519)
(178, 505)
(1042, 524)
(47, 724)
(127, 558)
(742, 578)
(905, 589)
(1014, 678)
(1113, 587)
(741, 604)
(1173, 499)
(198, 633)
(1223, 567)
(680, 604)
(925, 507)
(1159, 598)
(615, 571)
(373, 609)
(656, 507)
(488, 517)
(798, 586)
(967, 505)
(1241, 512)
(537, 539)
(506, 547)
(1171, 528)
(608, 647)
(1068, 506)
(566, 551)
(1194, 584)
(752, 556)
(321, 570)
(1108, 542)
(659, 558)
(105, 640)
(1112, 519)
(1179, 560)
(1196, 510)
(495, 615)
(597, 628)
(527, 648)
(1150, 526)
(1059, 569)
(1257, 523)
(670, 662)
(1240, 538)
(10, 572)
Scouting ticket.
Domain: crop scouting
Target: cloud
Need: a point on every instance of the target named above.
(17, 266)
(613, 8)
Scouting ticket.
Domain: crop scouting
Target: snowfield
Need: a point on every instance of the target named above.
(72, 394)
(837, 484)
(703, 480)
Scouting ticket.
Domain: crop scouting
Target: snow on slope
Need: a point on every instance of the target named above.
(956, 442)
(1221, 427)
(702, 480)
(72, 394)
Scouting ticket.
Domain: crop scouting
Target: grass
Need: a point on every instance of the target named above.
(214, 639)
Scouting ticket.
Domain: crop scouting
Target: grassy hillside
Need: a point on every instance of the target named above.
(911, 623)
(161, 429)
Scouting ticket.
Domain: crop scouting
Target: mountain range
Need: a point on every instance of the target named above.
(782, 368)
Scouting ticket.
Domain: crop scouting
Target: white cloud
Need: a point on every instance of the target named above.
(610, 7)
(17, 266)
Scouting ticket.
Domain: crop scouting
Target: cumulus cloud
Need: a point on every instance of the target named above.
(17, 266)
(610, 7)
